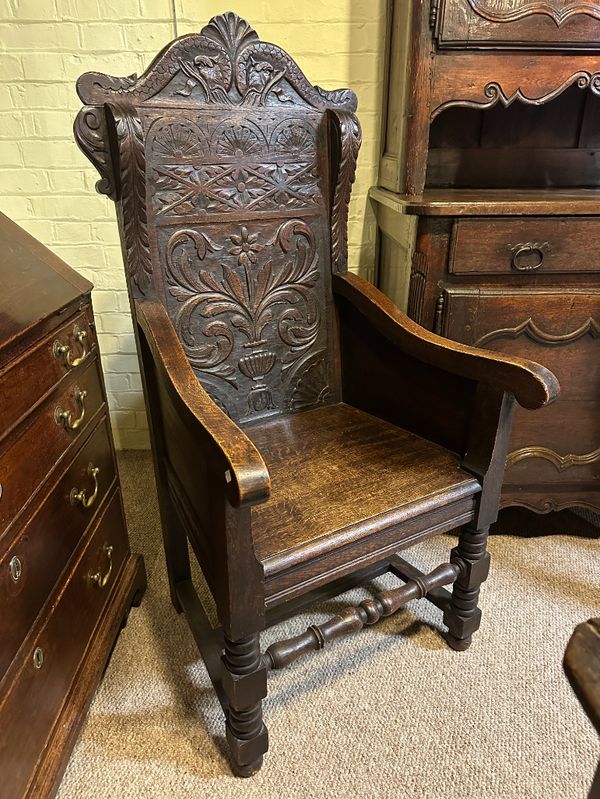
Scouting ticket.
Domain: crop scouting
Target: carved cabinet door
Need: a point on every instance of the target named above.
(561, 329)
(519, 23)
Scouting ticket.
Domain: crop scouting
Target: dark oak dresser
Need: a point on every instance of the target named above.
(67, 578)
(489, 186)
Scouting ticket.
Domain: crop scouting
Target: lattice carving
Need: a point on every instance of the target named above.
(216, 164)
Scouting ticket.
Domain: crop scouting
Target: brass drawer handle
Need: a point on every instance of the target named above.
(64, 350)
(531, 248)
(65, 418)
(81, 497)
(99, 579)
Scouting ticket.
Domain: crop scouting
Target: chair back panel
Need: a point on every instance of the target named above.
(232, 197)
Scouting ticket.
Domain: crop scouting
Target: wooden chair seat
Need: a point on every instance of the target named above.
(342, 479)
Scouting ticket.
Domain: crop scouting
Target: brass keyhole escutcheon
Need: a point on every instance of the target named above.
(38, 657)
(15, 568)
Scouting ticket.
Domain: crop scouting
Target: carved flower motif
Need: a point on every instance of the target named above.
(245, 187)
(245, 247)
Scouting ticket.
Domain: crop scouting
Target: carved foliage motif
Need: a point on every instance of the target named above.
(512, 10)
(214, 165)
(350, 140)
(254, 321)
(224, 64)
(132, 193)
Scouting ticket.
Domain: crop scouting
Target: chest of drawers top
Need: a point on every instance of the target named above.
(37, 290)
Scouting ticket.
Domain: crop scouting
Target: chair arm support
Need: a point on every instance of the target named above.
(248, 481)
(532, 385)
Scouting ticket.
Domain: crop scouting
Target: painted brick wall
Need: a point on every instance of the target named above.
(47, 185)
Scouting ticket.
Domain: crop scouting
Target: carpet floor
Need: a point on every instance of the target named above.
(387, 712)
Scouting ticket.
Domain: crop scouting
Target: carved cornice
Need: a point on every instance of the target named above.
(224, 64)
(349, 132)
(559, 10)
(561, 462)
(131, 194)
(493, 93)
(531, 330)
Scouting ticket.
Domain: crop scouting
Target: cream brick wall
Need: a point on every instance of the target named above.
(46, 184)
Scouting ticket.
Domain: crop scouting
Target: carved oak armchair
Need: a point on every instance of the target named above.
(304, 430)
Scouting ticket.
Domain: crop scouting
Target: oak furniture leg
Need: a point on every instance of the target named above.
(463, 616)
(245, 685)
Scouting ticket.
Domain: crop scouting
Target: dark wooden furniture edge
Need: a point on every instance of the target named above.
(582, 667)
(532, 384)
(491, 202)
(128, 593)
(249, 475)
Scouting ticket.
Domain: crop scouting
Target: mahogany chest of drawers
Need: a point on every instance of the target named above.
(67, 577)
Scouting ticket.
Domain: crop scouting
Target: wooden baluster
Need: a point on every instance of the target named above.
(352, 619)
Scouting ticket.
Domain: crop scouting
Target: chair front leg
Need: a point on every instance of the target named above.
(463, 616)
(245, 684)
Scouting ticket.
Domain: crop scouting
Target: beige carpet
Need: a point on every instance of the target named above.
(390, 712)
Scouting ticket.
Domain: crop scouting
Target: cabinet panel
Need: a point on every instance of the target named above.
(559, 328)
(519, 23)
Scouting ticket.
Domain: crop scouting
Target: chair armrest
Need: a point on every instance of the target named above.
(250, 482)
(532, 385)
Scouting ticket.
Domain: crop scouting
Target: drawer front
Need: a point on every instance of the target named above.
(561, 330)
(519, 23)
(26, 461)
(525, 246)
(27, 380)
(31, 566)
(30, 704)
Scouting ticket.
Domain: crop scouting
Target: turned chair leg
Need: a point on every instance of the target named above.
(245, 685)
(463, 616)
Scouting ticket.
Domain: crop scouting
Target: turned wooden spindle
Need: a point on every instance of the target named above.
(352, 619)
